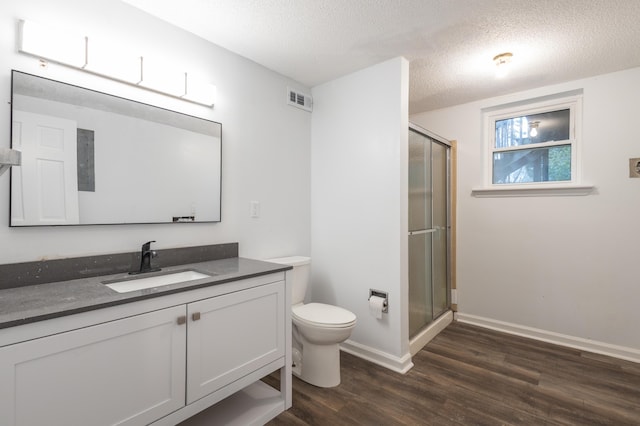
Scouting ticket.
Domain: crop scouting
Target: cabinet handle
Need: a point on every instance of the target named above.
(195, 316)
(182, 320)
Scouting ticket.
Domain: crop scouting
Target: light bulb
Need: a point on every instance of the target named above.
(501, 71)
(533, 128)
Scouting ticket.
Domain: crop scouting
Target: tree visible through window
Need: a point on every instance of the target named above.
(533, 145)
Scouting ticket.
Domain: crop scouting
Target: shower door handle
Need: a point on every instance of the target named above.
(423, 231)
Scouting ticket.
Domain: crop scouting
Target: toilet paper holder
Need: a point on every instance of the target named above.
(384, 295)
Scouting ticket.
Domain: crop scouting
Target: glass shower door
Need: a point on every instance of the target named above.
(428, 230)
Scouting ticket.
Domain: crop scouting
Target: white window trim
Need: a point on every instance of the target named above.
(558, 188)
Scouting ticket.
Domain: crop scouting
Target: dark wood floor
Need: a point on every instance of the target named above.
(473, 376)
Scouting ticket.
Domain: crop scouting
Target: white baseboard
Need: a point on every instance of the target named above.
(394, 363)
(426, 335)
(588, 345)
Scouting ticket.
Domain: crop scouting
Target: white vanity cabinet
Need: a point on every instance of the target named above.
(159, 365)
(129, 371)
(232, 335)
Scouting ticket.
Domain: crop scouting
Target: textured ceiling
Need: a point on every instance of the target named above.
(449, 43)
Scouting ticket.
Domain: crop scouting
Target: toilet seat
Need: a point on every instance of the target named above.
(322, 315)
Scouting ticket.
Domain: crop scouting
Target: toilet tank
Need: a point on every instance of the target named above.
(300, 275)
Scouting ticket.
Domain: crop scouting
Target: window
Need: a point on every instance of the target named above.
(533, 144)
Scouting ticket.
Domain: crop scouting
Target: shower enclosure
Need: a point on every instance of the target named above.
(429, 228)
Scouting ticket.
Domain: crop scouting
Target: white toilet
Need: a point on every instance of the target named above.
(318, 329)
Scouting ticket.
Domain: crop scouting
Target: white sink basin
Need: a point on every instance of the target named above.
(132, 284)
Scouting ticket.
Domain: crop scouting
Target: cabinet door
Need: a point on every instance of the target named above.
(125, 372)
(233, 335)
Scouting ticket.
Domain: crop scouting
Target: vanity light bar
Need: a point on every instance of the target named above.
(163, 78)
(96, 57)
(51, 44)
(117, 64)
(197, 90)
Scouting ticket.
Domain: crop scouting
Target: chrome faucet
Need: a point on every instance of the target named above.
(145, 259)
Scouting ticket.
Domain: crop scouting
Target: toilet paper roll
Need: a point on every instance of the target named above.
(376, 305)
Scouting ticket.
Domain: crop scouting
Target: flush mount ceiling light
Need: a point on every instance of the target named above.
(502, 62)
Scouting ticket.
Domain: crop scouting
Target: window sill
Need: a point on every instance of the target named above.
(534, 191)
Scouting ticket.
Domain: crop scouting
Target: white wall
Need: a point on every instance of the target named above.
(566, 265)
(359, 202)
(265, 143)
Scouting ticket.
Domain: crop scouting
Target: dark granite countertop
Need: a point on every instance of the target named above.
(32, 303)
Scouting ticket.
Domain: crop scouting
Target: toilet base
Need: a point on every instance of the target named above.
(320, 365)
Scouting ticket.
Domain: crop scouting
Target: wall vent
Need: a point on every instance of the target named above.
(300, 100)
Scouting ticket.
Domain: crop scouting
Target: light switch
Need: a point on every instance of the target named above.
(255, 209)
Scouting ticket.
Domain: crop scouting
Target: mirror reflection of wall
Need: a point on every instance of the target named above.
(92, 158)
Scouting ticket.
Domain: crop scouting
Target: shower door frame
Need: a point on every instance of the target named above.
(450, 149)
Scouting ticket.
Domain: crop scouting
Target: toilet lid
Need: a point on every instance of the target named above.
(321, 314)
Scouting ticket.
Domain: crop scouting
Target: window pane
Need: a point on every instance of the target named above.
(533, 165)
(534, 128)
